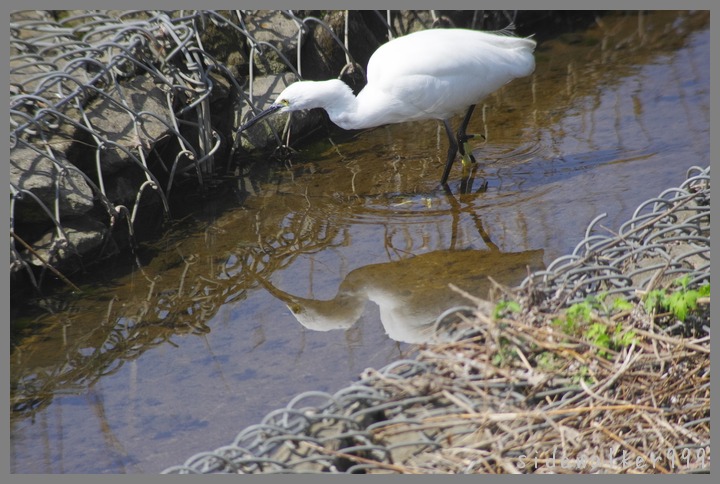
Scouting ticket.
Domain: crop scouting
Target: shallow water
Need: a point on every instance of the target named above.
(302, 280)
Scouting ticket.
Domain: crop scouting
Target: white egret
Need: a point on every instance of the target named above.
(430, 74)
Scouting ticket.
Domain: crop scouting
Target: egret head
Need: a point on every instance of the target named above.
(340, 312)
(311, 94)
(306, 95)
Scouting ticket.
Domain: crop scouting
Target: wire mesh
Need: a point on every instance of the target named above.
(80, 110)
(111, 110)
(669, 234)
(93, 92)
(68, 71)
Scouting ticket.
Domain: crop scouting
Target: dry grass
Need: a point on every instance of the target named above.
(529, 396)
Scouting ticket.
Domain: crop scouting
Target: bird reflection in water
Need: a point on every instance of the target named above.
(411, 293)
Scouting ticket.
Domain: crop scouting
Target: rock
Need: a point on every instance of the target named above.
(29, 18)
(227, 44)
(277, 29)
(82, 235)
(32, 68)
(110, 121)
(265, 90)
(324, 58)
(39, 174)
(123, 186)
(407, 21)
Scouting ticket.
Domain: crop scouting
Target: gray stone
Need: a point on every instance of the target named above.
(112, 122)
(39, 174)
(82, 236)
(277, 29)
(25, 22)
(408, 21)
(28, 70)
(226, 43)
(324, 57)
(265, 90)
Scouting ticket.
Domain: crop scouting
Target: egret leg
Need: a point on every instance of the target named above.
(452, 151)
(462, 140)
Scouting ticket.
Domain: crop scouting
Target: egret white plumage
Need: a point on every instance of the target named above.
(430, 74)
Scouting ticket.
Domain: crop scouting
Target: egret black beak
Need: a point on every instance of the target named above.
(266, 112)
(261, 115)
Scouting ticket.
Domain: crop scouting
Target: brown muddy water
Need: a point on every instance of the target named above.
(342, 261)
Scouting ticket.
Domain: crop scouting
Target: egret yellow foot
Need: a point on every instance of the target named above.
(465, 150)
(469, 165)
(467, 157)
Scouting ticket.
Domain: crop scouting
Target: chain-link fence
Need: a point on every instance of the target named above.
(668, 235)
(94, 96)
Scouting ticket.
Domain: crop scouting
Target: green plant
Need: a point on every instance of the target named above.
(504, 353)
(597, 334)
(621, 304)
(580, 312)
(579, 321)
(546, 361)
(583, 374)
(621, 338)
(504, 307)
(575, 315)
(679, 302)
